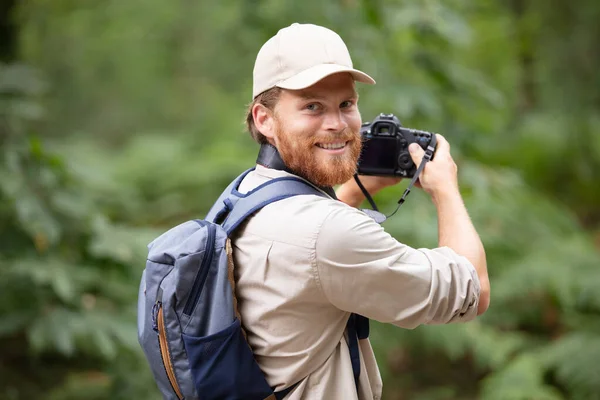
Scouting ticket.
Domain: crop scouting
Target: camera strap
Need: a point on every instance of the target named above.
(427, 157)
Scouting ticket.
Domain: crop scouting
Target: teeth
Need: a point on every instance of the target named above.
(332, 146)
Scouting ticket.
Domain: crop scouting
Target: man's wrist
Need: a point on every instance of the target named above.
(445, 194)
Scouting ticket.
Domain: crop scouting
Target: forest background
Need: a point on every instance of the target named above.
(120, 119)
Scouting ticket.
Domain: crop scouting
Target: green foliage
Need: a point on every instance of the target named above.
(131, 122)
(66, 295)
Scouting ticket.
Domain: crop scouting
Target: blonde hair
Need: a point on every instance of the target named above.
(268, 99)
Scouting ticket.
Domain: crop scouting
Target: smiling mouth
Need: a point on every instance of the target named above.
(332, 146)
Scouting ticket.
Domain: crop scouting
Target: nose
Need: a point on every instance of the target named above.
(335, 121)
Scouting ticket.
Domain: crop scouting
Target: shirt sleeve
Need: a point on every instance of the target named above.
(362, 269)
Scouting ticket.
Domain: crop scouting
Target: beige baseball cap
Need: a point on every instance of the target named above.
(299, 56)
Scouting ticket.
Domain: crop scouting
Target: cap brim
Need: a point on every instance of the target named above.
(314, 74)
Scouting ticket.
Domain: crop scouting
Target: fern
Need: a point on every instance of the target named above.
(521, 379)
(573, 359)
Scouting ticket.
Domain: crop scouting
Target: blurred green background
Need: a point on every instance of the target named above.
(120, 119)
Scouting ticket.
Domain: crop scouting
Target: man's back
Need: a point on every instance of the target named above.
(296, 333)
(304, 264)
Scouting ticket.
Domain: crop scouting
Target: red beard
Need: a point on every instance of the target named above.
(300, 153)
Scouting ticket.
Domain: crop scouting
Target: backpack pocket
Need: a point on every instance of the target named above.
(223, 366)
(165, 353)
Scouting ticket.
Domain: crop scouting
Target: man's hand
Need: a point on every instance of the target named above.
(439, 177)
(351, 194)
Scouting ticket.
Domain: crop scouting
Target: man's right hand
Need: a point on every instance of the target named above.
(439, 177)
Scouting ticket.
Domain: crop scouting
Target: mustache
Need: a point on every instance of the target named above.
(345, 135)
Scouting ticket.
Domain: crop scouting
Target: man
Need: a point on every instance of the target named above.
(305, 264)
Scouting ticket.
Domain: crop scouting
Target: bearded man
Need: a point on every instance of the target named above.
(312, 270)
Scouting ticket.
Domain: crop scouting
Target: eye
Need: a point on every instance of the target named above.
(313, 107)
(347, 104)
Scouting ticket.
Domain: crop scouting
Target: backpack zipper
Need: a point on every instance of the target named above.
(164, 350)
(201, 276)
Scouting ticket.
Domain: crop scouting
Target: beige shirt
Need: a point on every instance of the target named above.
(305, 263)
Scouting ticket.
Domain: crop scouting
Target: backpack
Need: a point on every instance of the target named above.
(188, 324)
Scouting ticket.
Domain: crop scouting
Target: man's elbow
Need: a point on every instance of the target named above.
(484, 297)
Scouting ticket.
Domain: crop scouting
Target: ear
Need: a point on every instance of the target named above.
(264, 120)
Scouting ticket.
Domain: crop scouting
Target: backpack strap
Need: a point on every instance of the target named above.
(240, 206)
(358, 328)
(219, 210)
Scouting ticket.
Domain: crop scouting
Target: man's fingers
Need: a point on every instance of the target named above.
(416, 153)
(442, 143)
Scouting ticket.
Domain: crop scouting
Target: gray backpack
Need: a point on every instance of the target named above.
(188, 324)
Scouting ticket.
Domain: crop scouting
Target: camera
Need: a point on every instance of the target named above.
(385, 147)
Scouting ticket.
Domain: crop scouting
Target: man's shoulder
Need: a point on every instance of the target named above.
(297, 219)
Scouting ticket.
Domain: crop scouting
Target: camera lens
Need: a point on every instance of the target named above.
(404, 160)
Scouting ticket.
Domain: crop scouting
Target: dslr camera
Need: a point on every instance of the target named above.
(385, 147)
